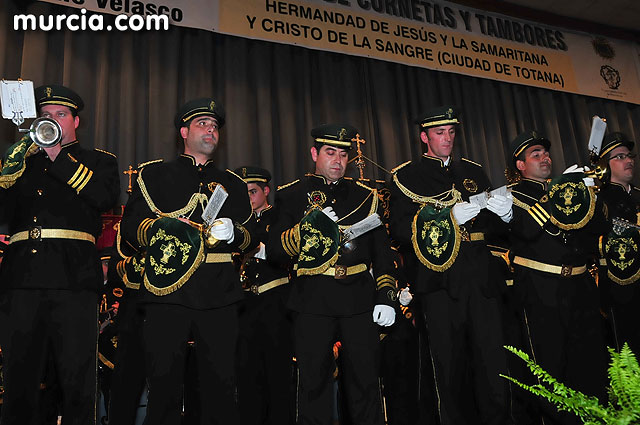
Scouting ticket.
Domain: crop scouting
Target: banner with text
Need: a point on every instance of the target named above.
(439, 36)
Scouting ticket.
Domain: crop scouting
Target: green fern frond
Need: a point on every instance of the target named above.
(624, 374)
(563, 397)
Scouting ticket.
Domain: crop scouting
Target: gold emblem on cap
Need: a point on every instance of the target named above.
(244, 171)
(212, 105)
(48, 91)
(342, 134)
(449, 113)
(534, 135)
(470, 185)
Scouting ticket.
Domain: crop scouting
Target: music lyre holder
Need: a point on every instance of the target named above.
(360, 161)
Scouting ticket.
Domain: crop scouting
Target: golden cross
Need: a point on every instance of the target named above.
(130, 172)
(359, 160)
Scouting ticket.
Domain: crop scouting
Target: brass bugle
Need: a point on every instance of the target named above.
(45, 132)
(599, 169)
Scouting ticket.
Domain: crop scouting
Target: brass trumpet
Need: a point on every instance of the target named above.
(45, 132)
(599, 169)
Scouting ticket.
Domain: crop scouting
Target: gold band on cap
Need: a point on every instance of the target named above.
(198, 113)
(612, 147)
(255, 179)
(59, 102)
(333, 142)
(522, 147)
(441, 122)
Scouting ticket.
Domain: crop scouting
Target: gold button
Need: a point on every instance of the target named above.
(33, 251)
(40, 192)
(35, 219)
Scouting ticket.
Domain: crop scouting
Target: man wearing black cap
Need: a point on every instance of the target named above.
(333, 293)
(551, 249)
(619, 281)
(431, 216)
(190, 285)
(265, 347)
(52, 199)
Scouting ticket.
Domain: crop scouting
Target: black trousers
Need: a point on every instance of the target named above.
(37, 323)
(265, 351)
(565, 334)
(624, 313)
(128, 377)
(466, 347)
(314, 338)
(166, 330)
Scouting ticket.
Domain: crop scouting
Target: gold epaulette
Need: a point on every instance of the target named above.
(107, 152)
(144, 164)
(231, 172)
(634, 188)
(400, 166)
(471, 162)
(288, 184)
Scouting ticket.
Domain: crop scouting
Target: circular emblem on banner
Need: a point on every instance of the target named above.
(572, 202)
(175, 251)
(622, 255)
(319, 243)
(435, 237)
(470, 185)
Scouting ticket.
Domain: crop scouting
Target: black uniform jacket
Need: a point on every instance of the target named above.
(535, 237)
(68, 193)
(170, 186)
(430, 177)
(323, 294)
(620, 203)
(257, 271)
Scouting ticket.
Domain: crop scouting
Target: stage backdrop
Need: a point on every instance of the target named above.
(133, 82)
(436, 35)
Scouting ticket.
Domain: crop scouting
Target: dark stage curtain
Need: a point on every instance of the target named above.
(133, 82)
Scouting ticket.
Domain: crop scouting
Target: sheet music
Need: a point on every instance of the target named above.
(217, 199)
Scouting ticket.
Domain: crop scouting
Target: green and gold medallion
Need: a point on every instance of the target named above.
(319, 243)
(435, 237)
(571, 202)
(622, 255)
(175, 251)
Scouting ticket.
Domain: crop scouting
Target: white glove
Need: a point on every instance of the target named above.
(384, 315)
(329, 212)
(405, 297)
(465, 211)
(502, 206)
(574, 169)
(588, 181)
(262, 252)
(222, 229)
